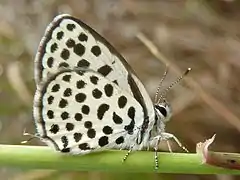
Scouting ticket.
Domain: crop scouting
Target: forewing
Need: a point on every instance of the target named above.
(70, 43)
(78, 111)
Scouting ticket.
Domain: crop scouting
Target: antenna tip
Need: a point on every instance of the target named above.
(187, 71)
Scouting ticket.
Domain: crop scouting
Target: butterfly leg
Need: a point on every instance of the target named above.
(156, 150)
(167, 136)
(169, 146)
(129, 151)
(32, 136)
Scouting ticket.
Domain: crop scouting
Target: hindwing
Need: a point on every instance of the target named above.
(79, 111)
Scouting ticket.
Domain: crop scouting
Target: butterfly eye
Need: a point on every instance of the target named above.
(161, 110)
(164, 111)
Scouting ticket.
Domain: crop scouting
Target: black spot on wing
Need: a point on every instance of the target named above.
(50, 62)
(91, 133)
(117, 119)
(122, 101)
(97, 93)
(88, 124)
(53, 47)
(60, 35)
(94, 79)
(105, 70)
(102, 109)
(131, 112)
(79, 49)
(65, 150)
(69, 126)
(70, 43)
(66, 78)
(50, 99)
(131, 115)
(63, 103)
(107, 130)
(65, 54)
(96, 50)
(84, 146)
(85, 109)
(63, 64)
(129, 128)
(64, 141)
(103, 141)
(65, 115)
(71, 27)
(119, 140)
(55, 88)
(80, 97)
(83, 63)
(50, 114)
(80, 84)
(108, 88)
(54, 129)
(82, 37)
(78, 117)
(67, 92)
(77, 137)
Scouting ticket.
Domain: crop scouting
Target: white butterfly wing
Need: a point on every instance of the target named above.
(68, 42)
(78, 111)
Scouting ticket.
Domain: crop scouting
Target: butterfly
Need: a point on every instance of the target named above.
(87, 96)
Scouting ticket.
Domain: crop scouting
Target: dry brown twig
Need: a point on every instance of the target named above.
(212, 102)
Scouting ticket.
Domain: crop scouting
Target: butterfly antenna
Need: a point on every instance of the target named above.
(160, 84)
(163, 94)
(28, 134)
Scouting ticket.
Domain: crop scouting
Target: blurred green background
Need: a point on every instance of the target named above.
(201, 34)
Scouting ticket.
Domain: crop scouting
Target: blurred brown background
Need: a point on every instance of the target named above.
(201, 34)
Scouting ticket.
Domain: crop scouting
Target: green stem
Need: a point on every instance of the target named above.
(141, 161)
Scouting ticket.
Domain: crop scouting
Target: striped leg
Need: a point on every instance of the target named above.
(156, 150)
(129, 151)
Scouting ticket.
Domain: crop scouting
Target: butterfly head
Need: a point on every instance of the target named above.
(162, 107)
(163, 111)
